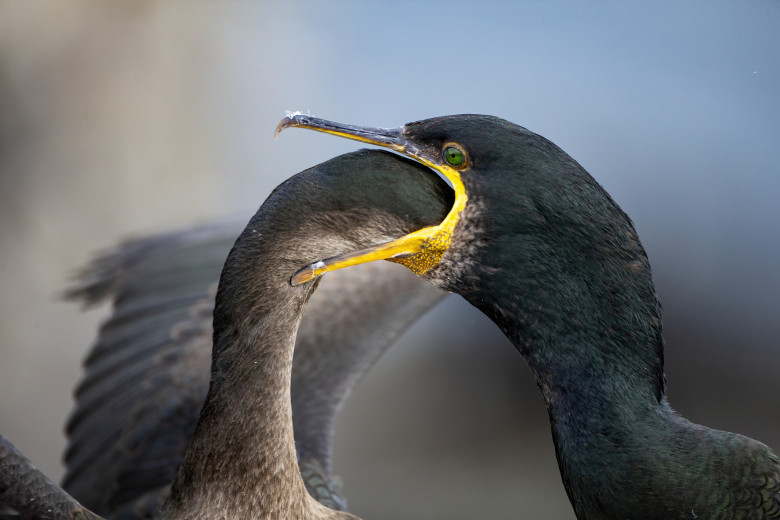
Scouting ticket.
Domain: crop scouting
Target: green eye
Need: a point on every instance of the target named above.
(454, 156)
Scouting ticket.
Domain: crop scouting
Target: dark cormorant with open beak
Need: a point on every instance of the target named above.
(535, 243)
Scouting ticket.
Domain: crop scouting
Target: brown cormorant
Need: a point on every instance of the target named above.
(152, 360)
(241, 462)
(535, 243)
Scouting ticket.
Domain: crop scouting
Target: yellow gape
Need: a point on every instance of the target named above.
(418, 251)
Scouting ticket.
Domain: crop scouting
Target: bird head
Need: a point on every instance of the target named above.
(531, 239)
(521, 203)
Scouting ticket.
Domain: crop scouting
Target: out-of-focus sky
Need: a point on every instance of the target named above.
(128, 117)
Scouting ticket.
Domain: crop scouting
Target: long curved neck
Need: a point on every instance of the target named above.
(589, 326)
(241, 462)
(622, 451)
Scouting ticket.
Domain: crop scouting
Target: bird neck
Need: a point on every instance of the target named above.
(589, 325)
(583, 313)
(646, 462)
(617, 441)
(241, 462)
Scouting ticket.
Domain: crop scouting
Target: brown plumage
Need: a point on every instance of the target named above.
(242, 461)
(122, 457)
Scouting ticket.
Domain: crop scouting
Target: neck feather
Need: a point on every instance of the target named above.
(589, 325)
(241, 462)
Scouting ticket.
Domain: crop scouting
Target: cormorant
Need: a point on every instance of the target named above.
(536, 244)
(152, 360)
(241, 462)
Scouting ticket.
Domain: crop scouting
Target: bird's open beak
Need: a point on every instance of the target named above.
(418, 251)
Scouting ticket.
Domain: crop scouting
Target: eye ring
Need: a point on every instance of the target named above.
(454, 155)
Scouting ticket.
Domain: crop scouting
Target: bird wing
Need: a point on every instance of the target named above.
(350, 321)
(148, 373)
(27, 494)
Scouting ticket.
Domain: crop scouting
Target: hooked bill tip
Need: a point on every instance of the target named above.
(291, 119)
(308, 273)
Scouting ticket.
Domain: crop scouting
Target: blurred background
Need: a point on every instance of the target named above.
(124, 118)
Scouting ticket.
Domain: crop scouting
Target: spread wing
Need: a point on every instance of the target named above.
(146, 377)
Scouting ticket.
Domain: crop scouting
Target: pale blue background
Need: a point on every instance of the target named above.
(129, 117)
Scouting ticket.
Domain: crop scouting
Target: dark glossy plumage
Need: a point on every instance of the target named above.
(546, 253)
(242, 460)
